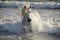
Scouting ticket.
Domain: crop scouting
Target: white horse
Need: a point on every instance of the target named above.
(32, 20)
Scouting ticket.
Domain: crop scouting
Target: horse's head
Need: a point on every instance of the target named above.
(25, 12)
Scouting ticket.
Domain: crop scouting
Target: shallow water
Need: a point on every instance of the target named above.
(30, 36)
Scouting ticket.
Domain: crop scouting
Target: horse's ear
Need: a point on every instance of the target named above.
(30, 7)
(24, 6)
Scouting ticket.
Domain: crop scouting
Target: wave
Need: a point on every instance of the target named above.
(35, 5)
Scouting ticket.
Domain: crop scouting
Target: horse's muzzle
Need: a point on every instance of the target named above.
(28, 19)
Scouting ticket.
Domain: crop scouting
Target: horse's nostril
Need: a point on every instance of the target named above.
(29, 20)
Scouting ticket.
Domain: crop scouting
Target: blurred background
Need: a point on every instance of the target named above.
(31, 0)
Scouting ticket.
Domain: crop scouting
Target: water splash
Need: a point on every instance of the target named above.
(36, 22)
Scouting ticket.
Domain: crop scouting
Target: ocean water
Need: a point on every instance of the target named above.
(10, 21)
